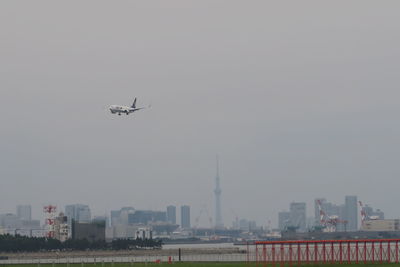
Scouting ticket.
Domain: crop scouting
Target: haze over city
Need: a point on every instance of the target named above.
(299, 101)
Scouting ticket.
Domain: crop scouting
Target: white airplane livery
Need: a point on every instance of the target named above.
(117, 109)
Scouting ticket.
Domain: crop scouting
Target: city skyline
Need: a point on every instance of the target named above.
(310, 212)
(300, 101)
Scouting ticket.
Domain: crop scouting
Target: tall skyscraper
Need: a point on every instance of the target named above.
(283, 220)
(24, 212)
(298, 216)
(171, 214)
(351, 212)
(185, 216)
(78, 213)
(217, 192)
(120, 217)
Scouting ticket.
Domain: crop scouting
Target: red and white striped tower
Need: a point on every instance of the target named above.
(50, 215)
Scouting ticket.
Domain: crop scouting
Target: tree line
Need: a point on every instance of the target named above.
(18, 243)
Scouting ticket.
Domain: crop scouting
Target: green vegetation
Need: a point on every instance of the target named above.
(9, 243)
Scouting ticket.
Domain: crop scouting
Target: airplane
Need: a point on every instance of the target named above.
(124, 109)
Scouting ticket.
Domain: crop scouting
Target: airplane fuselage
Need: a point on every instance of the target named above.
(116, 109)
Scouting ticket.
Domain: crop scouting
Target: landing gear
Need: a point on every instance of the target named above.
(127, 113)
(119, 114)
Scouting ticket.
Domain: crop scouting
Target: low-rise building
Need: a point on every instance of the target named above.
(381, 225)
(93, 231)
(61, 229)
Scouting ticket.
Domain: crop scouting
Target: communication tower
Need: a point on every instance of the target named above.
(50, 216)
(217, 192)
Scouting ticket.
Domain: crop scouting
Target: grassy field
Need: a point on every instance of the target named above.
(194, 264)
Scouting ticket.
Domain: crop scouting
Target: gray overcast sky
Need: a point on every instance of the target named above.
(299, 98)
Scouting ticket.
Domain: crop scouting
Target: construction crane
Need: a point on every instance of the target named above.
(329, 222)
(364, 215)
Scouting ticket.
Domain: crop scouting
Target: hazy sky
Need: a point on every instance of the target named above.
(299, 98)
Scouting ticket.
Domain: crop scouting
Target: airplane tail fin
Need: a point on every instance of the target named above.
(134, 104)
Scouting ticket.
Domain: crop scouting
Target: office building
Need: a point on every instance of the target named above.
(351, 212)
(120, 217)
(24, 212)
(78, 213)
(92, 231)
(115, 219)
(102, 219)
(30, 225)
(146, 216)
(381, 225)
(244, 225)
(298, 216)
(185, 216)
(283, 220)
(171, 214)
(10, 221)
(61, 229)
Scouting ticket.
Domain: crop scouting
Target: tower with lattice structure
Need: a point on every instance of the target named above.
(50, 216)
(217, 192)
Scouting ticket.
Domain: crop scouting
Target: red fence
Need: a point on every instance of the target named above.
(323, 251)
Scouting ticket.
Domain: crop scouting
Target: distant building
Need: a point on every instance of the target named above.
(163, 228)
(126, 222)
(346, 214)
(185, 216)
(146, 216)
(101, 219)
(252, 226)
(371, 214)
(298, 216)
(121, 217)
(93, 231)
(244, 225)
(171, 214)
(381, 225)
(125, 231)
(78, 212)
(351, 213)
(310, 222)
(61, 229)
(283, 220)
(330, 210)
(235, 223)
(24, 212)
(20, 223)
(30, 225)
(10, 221)
(115, 217)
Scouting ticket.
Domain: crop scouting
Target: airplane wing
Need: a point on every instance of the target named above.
(141, 108)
